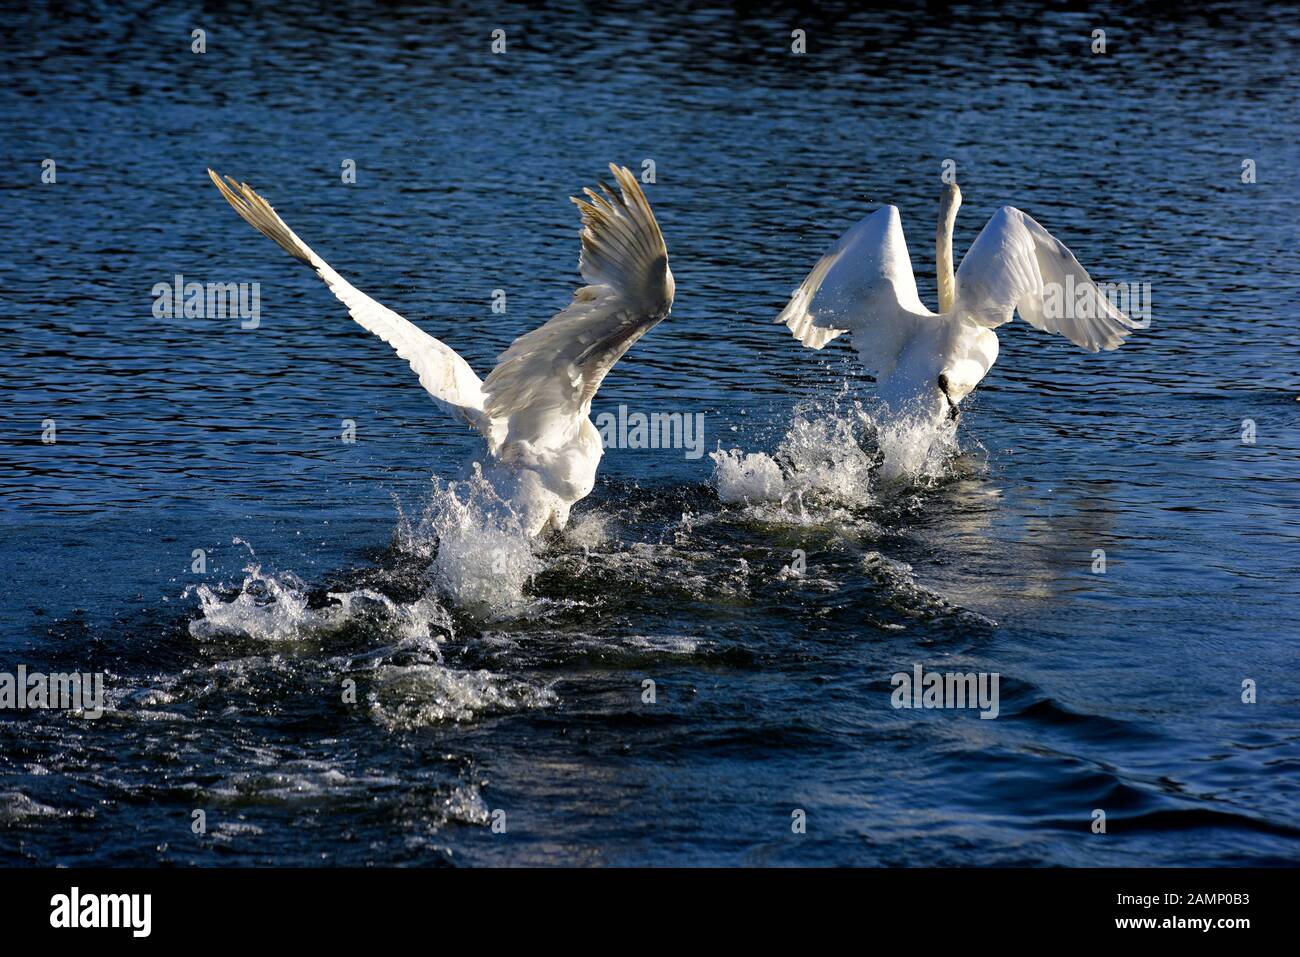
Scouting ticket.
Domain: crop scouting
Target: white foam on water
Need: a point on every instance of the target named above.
(689, 570)
(404, 698)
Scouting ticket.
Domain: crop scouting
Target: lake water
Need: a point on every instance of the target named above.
(332, 565)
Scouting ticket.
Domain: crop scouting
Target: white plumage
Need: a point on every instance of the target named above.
(930, 361)
(533, 410)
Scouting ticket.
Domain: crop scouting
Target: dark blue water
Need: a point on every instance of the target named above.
(1119, 691)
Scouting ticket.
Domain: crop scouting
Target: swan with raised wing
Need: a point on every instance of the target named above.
(533, 409)
(928, 362)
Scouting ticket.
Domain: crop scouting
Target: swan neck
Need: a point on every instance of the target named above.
(948, 206)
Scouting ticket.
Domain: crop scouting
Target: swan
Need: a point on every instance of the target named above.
(931, 361)
(533, 409)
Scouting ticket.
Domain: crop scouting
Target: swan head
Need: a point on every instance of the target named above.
(950, 200)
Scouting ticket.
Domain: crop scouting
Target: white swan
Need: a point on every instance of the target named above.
(533, 409)
(927, 361)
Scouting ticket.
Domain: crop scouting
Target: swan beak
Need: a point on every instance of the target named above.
(953, 412)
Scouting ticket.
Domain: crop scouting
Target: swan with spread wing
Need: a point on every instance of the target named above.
(930, 362)
(533, 409)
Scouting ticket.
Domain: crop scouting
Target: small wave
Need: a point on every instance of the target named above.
(293, 782)
(16, 807)
(664, 644)
(905, 594)
(1095, 727)
(1195, 820)
(227, 831)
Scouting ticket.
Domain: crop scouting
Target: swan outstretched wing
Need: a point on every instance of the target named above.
(444, 374)
(1015, 265)
(543, 384)
(864, 286)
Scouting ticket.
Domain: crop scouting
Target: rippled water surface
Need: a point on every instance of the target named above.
(519, 688)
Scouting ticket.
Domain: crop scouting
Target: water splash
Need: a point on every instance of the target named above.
(276, 607)
(747, 478)
(840, 453)
(410, 685)
(483, 560)
(915, 448)
(590, 530)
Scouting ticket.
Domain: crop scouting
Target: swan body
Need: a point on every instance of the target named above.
(929, 362)
(533, 409)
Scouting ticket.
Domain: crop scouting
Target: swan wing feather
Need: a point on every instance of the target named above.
(544, 382)
(446, 376)
(1015, 265)
(864, 286)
